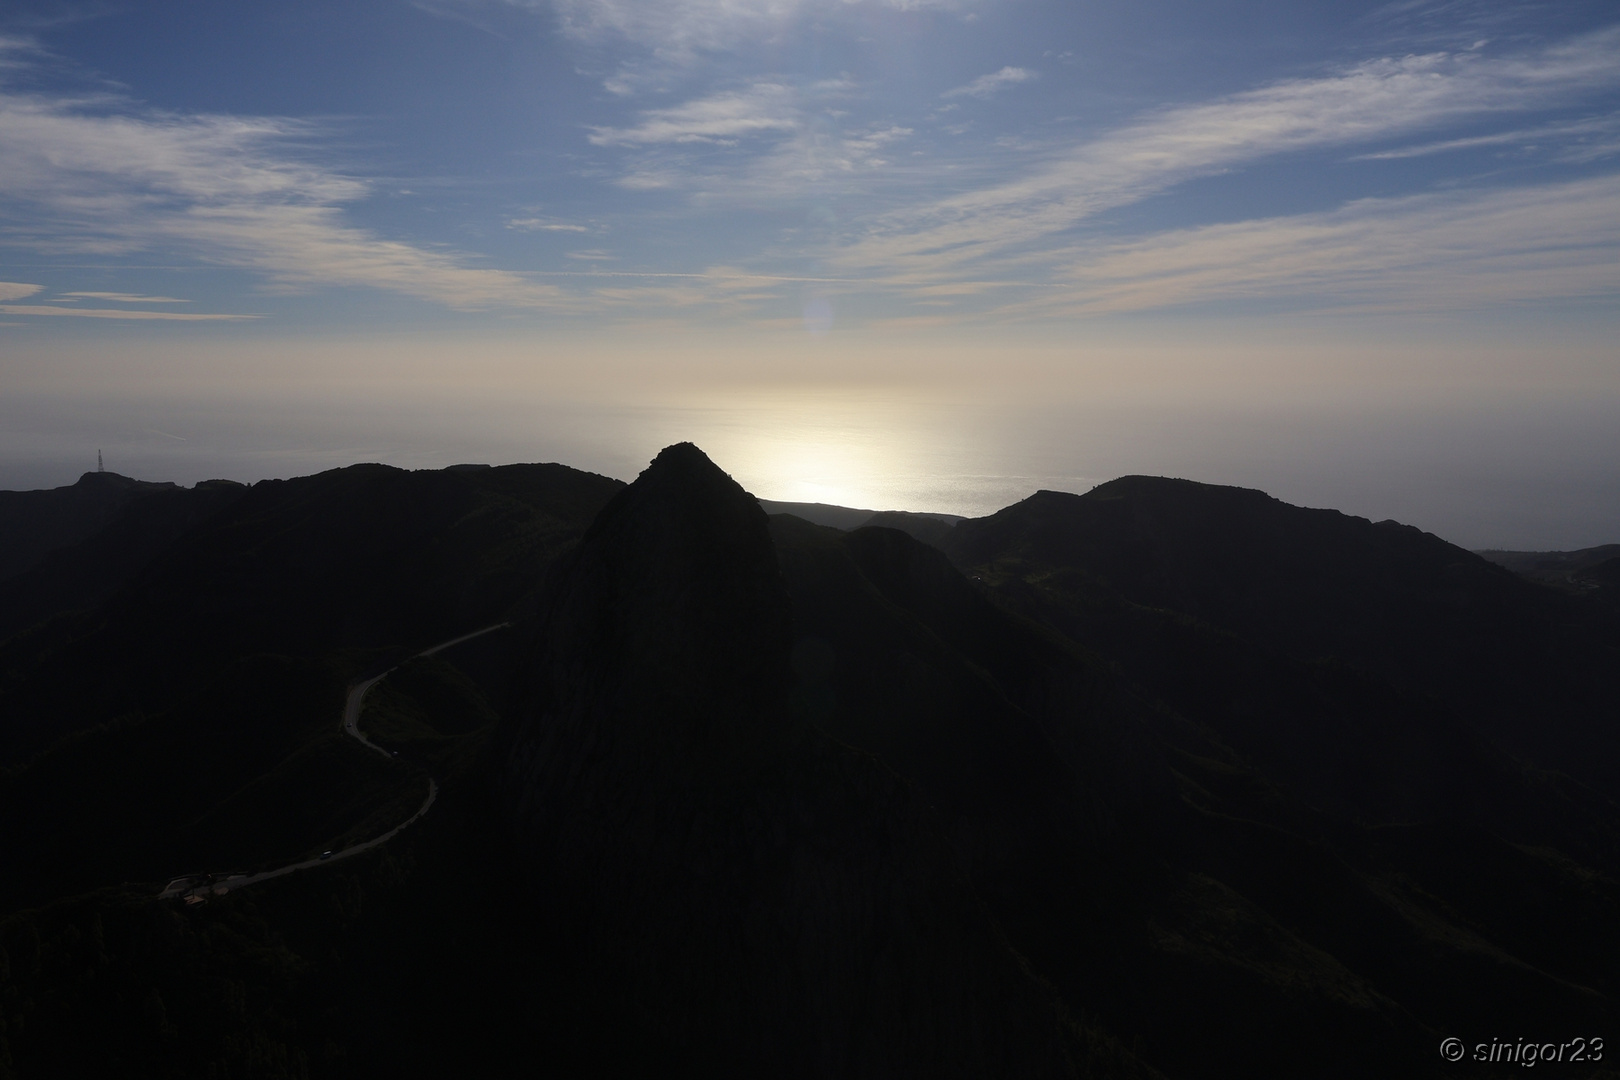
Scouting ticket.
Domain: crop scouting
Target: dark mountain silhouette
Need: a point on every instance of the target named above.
(929, 526)
(202, 691)
(1165, 779)
(837, 517)
(1336, 701)
(1552, 567)
(1530, 669)
(1604, 576)
(34, 523)
(931, 529)
(80, 575)
(1590, 571)
(771, 901)
(364, 558)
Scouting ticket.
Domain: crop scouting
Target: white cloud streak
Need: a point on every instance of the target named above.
(117, 313)
(719, 118)
(985, 85)
(809, 161)
(805, 144)
(76, 176)
(1377, 100)
(17, 52)
(1595, 133)
(542, 225)
(679, 29)
(17, 290)
(1457, 250)
(122, 298)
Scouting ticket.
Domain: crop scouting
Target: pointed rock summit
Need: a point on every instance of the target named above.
(675, 599)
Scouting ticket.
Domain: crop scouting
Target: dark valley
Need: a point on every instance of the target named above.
(1163, 780)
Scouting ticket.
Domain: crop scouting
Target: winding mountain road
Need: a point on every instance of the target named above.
(204, 885)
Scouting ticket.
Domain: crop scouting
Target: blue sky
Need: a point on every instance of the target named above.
(1298, 180)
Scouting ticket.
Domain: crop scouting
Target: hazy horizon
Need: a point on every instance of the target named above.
(1527, 473)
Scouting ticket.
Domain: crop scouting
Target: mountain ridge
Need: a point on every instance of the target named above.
(1161, 780)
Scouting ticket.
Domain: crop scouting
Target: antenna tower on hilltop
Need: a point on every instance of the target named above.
(99, 466)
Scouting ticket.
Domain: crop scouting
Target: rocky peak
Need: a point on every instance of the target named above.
(676, 597)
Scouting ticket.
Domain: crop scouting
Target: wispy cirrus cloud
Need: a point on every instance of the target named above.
(1436, 251)
(18, 290)
(649, 43)
(1366, 103)
(120, 298)
(670, 26)
(681, 28)
(94, 174)
(66, 304)
(17, 52)
(118, 313)
(986, 85)
(534, 224)
(810, 160)
(772, 140)
(1454, 23)
(1576, 140)
(718, 118)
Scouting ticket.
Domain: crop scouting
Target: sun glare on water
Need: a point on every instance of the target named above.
(860, 449)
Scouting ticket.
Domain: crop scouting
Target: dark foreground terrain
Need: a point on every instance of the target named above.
(1164, 780)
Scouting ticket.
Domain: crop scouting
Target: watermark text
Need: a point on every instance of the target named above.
(1526, 1052)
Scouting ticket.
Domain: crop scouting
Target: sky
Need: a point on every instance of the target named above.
(922, 254)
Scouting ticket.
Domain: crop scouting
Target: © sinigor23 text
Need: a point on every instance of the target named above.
(1525, 1052)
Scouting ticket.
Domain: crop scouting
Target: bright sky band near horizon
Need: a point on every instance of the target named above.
(924, 254)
